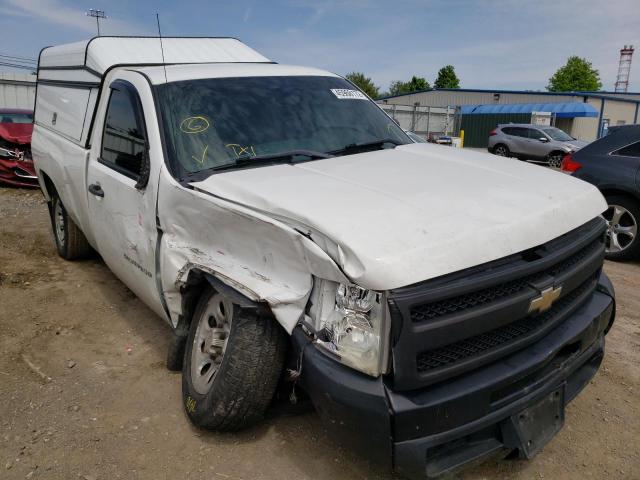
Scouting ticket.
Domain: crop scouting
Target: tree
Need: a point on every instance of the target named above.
(447, 78)
(363, 83)
(576, 76)
(416, 83)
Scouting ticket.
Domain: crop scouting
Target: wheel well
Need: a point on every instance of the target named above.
(608, 192)
(190, 291)
(49, 185)
(197, 282)
(552, 152)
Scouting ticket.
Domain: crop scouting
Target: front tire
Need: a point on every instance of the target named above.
(70, 241)
(232, 364)
(554, 159)
(622, 218)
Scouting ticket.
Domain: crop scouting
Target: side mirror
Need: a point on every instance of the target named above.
(543, 139)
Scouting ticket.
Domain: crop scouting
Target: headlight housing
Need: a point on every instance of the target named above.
(356, 330)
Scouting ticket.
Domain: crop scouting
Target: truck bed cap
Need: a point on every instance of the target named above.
(176, 73)
(88, 60)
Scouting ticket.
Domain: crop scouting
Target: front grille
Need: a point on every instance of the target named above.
(430, 311)
(447, 326)
(500, 337)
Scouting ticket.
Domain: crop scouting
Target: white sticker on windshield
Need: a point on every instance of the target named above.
(346, 94)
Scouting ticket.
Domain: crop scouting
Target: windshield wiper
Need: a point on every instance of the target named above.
(266, 159)
(280, 157)
(363, 147)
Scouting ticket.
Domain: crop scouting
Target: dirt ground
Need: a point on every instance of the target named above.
(84, 392)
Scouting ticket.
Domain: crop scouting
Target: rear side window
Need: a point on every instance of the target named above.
(123, 141)
(632, 150)
(515, 131)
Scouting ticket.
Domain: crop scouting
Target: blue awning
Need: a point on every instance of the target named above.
(561, 110)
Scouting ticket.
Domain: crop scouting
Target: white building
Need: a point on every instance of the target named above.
(17, 90)
(602, 109)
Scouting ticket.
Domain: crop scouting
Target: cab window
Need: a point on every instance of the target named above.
(123, 140)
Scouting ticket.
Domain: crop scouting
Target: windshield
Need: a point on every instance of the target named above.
(211, 123)
(557, 134)
(415, 137)
(16, 118)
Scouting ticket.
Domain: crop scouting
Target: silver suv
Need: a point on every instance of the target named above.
(532, 142)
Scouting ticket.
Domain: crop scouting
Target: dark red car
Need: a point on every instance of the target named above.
(16, 164)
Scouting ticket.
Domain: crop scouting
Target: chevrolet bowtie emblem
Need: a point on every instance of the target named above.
(543, 302)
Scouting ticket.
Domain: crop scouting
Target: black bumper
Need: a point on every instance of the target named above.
(426, 432)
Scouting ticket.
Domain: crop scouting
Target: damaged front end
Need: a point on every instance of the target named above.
(16, 164)
(351, 325)
(262, 258)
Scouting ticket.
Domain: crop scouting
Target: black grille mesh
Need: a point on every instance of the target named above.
(429, 311)
(484, 342)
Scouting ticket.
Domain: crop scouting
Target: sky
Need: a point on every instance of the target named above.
(493, 44)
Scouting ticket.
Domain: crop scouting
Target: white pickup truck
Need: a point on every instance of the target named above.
(436, 305)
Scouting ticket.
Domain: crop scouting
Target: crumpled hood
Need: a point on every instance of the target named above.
(416, 212)
(16, 132)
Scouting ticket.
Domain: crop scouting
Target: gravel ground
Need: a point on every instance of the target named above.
(84, 392)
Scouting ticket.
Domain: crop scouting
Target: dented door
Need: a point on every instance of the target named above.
(122, 190)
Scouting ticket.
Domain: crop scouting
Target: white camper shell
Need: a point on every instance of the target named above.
(70, 76)
(278, 220)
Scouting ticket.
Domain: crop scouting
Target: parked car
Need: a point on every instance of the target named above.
(16, 165)
(532, 142)
(415, 138)
(440, 139)
(612, 164)
(293, 236)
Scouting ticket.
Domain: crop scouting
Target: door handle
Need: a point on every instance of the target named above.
(96, 190)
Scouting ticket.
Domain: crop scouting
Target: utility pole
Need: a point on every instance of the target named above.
(98, 14)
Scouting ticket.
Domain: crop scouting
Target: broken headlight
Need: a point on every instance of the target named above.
(356, 329)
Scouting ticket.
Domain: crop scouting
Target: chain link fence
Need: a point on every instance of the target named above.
(425, 121)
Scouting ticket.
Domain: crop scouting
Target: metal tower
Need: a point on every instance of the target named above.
(622, 81)
(98, 14)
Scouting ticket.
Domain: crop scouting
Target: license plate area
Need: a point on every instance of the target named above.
(532, 428)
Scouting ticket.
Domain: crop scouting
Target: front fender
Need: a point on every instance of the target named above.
(263, 259)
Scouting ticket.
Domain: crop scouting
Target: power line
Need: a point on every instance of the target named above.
(14, 65)
(22, 59)
(19, 62)
(7, 63)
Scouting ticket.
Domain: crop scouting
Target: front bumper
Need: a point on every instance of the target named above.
(427, 432)
(17, 173)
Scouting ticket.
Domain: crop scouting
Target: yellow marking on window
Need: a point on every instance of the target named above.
(201, 159)
(197, 124)
(239, 150)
